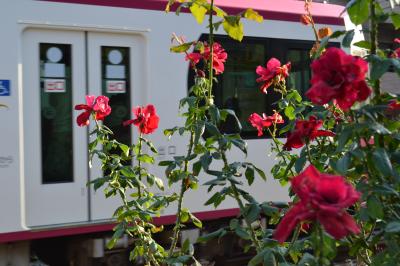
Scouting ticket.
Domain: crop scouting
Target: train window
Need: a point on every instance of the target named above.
(237, 88)
(116, 86)
(56, 113)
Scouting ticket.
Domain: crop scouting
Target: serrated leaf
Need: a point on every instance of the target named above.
(382, 162)
(374, 207)
(396, 20)
(358, 11)
(199, 12)
(233, 27)
(181, 48)
(249, 173)
(379, 67)
(348, 38)
(145, 158)
(363, 44)
(289, 112)
(260, 173)
(253, 15)
(393, 227)
(216, 234)
(196, 221)
(343, 164)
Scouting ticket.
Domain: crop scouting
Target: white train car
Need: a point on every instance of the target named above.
(55, 52)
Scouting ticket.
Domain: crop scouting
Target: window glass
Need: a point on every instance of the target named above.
(56, 113)
(116, 86)
(237, 88)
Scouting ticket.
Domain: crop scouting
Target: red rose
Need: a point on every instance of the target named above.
(338, 76)
(219, 57)
(323, 198)
(97, 105)
(146, 119)
(265, 121)
(273, 73)
(101, 107)
(305, 130)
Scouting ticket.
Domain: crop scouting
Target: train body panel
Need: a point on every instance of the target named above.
(34, 33)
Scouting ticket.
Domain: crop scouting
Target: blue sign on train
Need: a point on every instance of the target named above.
(5, 89)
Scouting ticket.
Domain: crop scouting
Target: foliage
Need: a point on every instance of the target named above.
(356, 144)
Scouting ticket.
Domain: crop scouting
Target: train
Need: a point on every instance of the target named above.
(54, 52)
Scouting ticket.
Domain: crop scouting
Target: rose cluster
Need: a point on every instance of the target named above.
(218, 59)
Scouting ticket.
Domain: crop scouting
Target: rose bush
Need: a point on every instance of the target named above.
(344, 178)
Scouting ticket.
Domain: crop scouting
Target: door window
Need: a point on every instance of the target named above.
(56, 113)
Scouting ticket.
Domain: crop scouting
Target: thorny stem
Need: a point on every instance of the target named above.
(211, 43)
(139, 163)
(279, 150)
(181, 194)
(374, 44)
(241, 206)
(294, 238)
(307, 6)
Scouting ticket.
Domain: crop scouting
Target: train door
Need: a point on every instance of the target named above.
(55, 156)
(59, 69)
(118, 72)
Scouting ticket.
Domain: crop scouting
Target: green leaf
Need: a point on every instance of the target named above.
(198, 11)
(215, 114)
(233, 27)
(348, 38)
(150, 145)
(358, 11)
(240, 144)
(374, 207)
(300, 163)
(260, 173)
(242, 233)
(253, 15)
(258, 259)
(269, 258)
(125, 149)
(196, 221)
(382, 162)
(393, 227)
(249, 175)
(252, 212)
(379, 67)
(216, 234)
(363, 44)
(396, 20)
(145, 158)
(127, 171)
(344, 137)
(343, 164)
(185, 215)
(159, 183)
(181, 48)
(289, 112)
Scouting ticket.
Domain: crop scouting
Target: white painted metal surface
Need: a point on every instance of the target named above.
(158, 77)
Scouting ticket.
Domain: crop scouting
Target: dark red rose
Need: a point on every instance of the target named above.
(338, 76)
(323, 198)
(265, 121)
(305, 130)
(146, 119)
(97, 105)
(273, 73)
